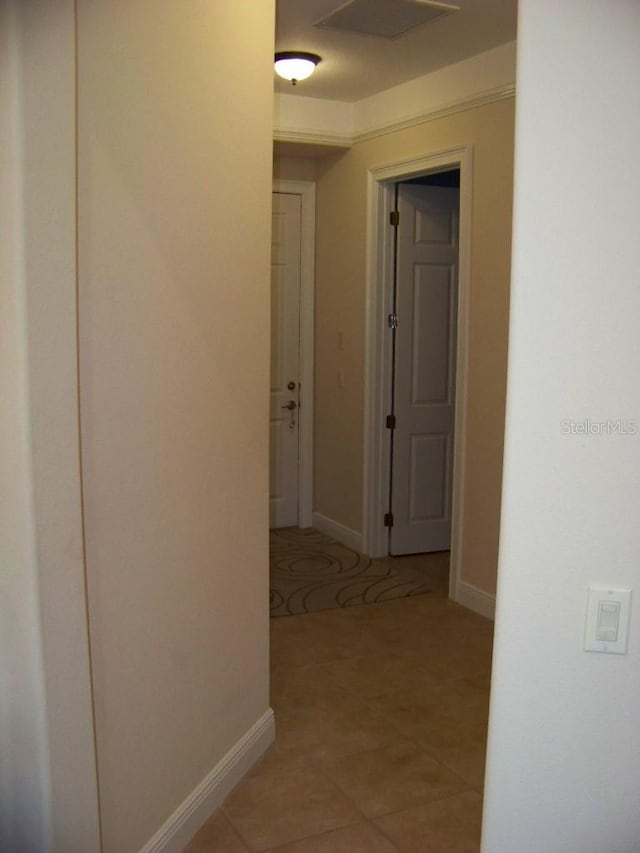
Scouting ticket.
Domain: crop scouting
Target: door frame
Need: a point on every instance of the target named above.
(381, 182)
(307, 192)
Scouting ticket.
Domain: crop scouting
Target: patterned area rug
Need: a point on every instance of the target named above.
(311, 572)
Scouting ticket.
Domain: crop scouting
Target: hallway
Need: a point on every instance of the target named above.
(381, 714)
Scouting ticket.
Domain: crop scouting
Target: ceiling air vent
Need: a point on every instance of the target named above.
(387, 19)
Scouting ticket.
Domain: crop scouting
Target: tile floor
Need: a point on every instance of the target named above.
(381, 716)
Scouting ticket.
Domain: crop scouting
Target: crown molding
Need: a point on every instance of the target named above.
(460, 105)
(474, 82)
(316, 137)
(313, 137)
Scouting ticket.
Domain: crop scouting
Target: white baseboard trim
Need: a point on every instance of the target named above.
(350, 538)
(475, 599)
(190, 815)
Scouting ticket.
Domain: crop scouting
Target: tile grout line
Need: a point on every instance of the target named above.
(371, 634)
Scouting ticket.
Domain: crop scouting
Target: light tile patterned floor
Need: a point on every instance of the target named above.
(381, 716)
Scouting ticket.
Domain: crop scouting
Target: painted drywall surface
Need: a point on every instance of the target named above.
(300, 117)
(44, 285)
(563, 772)
(339, 310)
(488, 71)
(295, 114)
(294, 168)
(174, 240)
(24, 777)
(340, 307)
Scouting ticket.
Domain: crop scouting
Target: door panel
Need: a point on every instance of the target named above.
(285, 360)
(424, 369)
(434, 293)
(429, 456)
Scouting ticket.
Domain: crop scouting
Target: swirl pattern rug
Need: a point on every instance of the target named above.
(311, 572)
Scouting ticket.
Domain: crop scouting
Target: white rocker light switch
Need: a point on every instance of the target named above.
(607, 622)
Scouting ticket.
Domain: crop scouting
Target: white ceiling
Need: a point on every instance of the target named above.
(354, 66)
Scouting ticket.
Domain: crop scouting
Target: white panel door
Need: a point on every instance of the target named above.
(285, 360)
(424, 370)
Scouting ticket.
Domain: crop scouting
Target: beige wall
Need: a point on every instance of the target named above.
(340, 306)
(294, 168)
(47, 770)
(24, 783)
(174, 216)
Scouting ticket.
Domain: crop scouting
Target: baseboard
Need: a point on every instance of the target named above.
(351, 538)
(187, 819)
(475, 599)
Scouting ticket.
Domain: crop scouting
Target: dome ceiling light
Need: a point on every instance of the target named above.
(295, 65)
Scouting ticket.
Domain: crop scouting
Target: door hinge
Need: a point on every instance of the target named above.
(392, 320)
(388, 519)
(391, 422)
(394, 218)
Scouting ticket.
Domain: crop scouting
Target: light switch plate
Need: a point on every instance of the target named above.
(608, 615)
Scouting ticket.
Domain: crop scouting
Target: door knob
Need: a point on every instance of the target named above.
(291, 405)
(291, 386)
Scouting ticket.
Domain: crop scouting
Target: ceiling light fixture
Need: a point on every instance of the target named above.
(295, 65)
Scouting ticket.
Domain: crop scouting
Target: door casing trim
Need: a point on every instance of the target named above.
(379, 254)
(307, 192)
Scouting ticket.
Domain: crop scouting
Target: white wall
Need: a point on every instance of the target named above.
(563, 769)
(297, 116)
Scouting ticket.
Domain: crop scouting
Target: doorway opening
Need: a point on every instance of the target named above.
(291, 391)
(380, 379)
(423, 326)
